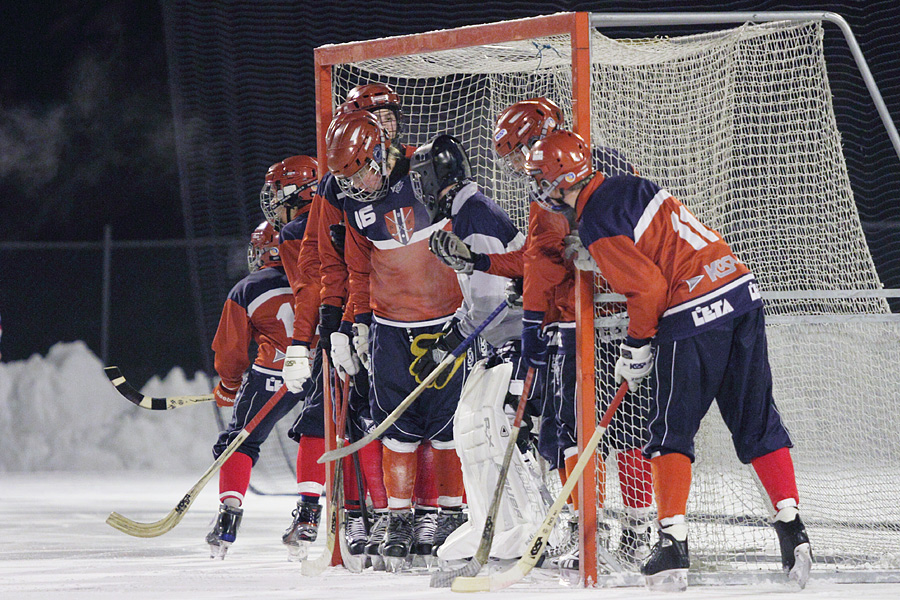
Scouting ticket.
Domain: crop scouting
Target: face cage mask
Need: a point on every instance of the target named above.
(360, 194)
(270, 202)
(513, 163)
(256, 257)
(540, 193)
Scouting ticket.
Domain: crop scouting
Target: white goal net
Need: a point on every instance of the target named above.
(738, 124)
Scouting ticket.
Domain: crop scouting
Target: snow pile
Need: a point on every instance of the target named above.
(60, 413)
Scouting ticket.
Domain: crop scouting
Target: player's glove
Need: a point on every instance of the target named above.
(338, 233)
(514, 293)
(329, 322)
(223, 395)
(296, 368)
(345, 360)
(579, 255)
(456, 254)
(534, 342)
(430, 349)
(361, 343)
(634, 363)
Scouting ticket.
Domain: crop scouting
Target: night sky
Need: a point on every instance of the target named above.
(86, 123)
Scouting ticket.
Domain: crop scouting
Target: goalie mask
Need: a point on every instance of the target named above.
(440, 163)
(357, 155)
(290, 184)
(519, 127)
(557, 162)
(263, 249)
(382, 101)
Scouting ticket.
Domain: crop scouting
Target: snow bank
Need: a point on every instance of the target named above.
(60, 413)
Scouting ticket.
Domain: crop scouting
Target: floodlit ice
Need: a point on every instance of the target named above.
(72, 450)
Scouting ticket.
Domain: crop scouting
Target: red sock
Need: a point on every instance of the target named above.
(634, 479)
(234, 477)
(351, 487)
(776, 472)
(370, 461)
(426, 492)
(310, 472)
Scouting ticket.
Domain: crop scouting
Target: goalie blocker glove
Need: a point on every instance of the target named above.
(296, 367)
(224, 396)
(456, 254)
(635, 361)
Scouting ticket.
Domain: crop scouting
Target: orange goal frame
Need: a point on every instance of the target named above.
(578, 26)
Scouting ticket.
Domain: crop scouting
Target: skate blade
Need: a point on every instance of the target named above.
(297, 552)
(396, 564)
(673, 580)
(802, 565)
(377, 562)
(217, 552)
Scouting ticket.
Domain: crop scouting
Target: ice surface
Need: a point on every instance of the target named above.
(73, 450)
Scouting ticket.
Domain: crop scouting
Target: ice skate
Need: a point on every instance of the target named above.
(423, 536)
(796, 553)
(355, 530)
(666, 568)
(302, 532)
(224, 530)
(566, 547)
(448, 520)
(634, 545)
(376, 537)
(398, 540)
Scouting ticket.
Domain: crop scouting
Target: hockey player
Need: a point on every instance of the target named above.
(697, 316)
(393, 277)
(258, 309)
(324, 238)
(442, 180)
(285, 201)
(548, 336)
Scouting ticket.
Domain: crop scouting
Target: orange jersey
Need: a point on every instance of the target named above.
(679, 277)
(392, 272)
(301, 263)
(259, 308)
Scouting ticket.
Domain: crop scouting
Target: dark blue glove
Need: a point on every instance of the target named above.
(534, 343)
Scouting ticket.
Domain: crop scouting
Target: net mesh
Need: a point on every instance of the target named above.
(737, 124)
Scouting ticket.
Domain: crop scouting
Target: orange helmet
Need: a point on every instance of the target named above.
(520, 126)
(263, 249)
(357, 155)
(558, 161)
(291, 183)
(373, 97)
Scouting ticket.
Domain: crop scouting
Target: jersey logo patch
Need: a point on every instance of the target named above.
(401, 224)
(693, 282)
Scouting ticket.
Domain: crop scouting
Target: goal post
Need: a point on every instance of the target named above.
(738, 124)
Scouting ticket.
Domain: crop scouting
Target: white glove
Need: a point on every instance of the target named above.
(296, 367)
(580, 255)
(345, 361)
(361, 343)
(634, 364)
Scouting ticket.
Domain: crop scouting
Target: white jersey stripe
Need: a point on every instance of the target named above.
(649, 212)
(418, 236)
(259, 300)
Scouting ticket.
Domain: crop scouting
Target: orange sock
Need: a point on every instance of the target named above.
(399, 477)
(672, 483)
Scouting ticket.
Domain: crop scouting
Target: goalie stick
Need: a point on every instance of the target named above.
(135, 397)
(446, 578)
(167, 523)
(401, 408)
(311, 568)
(504, 579)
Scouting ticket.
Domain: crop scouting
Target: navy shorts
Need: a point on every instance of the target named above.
(255, 391)
(729, 363)
(430, 416)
